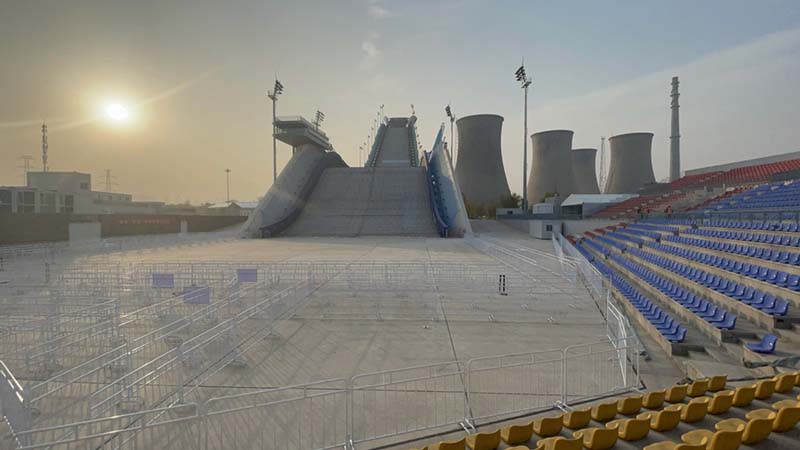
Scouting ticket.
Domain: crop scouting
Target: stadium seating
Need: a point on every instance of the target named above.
(781, 257)
(766, 196)
(772, 239)
(665, 324)
(760, 273)
(716, 316)
(766, 345)
(766, 303)
(751, 423)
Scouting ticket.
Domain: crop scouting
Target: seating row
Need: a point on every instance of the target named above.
(766, 225)
(749, 296)
(638, 232)
(772, 239)
(668, 327)
(652, 226)
(717, 317)
(772, 276)
(777, 256)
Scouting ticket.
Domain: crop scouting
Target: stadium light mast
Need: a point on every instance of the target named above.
(525, 81)
(318, 118)
(273, 95)
(452, 146)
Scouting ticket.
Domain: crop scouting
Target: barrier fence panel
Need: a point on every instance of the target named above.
(395, 402)
(309, 416)
(599, 369)
(512, 384)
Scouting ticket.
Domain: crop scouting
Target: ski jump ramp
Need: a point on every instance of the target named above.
(318, 194)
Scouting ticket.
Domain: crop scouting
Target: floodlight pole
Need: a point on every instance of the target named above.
(274, 97)
(228, 184)
(525, 85)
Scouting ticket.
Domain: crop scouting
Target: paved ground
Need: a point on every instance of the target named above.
(348, 329)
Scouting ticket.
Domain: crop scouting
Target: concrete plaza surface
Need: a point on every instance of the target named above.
(350, 326)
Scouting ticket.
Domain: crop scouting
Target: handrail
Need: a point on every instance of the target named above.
(441, 225)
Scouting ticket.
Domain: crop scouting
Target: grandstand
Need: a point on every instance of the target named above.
(719, 190)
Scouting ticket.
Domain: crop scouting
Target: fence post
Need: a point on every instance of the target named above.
(349, 413)
(564, 376)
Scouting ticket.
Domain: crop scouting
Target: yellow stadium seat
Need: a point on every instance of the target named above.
(559, 443)
(516, 434)
(720, 440)
(784, 420)
(676, 393)
(784, 382)
(744, 395)
(755, 430)
(629, 405)
(548, 426)
(597, 438)
(720, 403)
(630, 429)
(717, 383)
(654, 399)
(669, 445)
(697, 388)
(484, 441)
(449, 445)
(518, 447)
(695, 410)
(765, 389)
(604, 412)
(784, 404)
(663, 420)
(577, 418)
(797, 382)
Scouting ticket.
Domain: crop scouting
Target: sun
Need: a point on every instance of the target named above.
(117, 112)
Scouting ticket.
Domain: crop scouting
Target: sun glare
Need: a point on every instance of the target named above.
(117, 112)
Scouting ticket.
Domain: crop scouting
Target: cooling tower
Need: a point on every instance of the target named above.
(551, 165)
(631, 163)
(479, 168)
(584, 173)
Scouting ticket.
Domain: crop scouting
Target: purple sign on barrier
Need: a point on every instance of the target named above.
(163, 280)
(197, 295)
(247, 275)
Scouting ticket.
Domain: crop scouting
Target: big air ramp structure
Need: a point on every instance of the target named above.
(551, 165)
(631, 165)
(317, 194)
(479, 167)
(584, 173)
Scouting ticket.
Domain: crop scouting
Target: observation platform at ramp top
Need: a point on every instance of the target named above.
(297, 131)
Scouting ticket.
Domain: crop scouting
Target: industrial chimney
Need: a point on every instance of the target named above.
(675, 135)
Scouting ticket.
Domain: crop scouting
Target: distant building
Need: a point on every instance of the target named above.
(68, 193)
(232, 208)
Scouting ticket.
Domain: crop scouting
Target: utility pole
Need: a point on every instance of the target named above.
(602, 164)
(228, 185)
(273, 95)
(525, 82)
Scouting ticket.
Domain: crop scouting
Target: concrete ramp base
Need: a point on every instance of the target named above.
(379, 201)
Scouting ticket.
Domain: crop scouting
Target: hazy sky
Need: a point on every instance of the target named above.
(196, 74)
